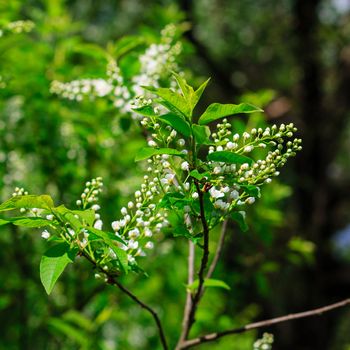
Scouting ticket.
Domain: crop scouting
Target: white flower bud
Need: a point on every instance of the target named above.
(45, 234)
(185, 166)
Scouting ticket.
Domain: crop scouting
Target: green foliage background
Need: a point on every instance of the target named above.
(49, 145)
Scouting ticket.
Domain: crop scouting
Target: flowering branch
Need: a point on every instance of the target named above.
(213, 336)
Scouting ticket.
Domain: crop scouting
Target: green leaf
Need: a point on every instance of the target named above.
(198, 93)
(201, 134)
(53, 263)
(29, 221)
(176, 100)
(197, 175)
(68, 216)
(146, 111)
(126, 44)
(186, 89)
(229, 157)
(87, 215)
(147, 152)
(178, 123)
(91, 50)
(217, 110)
(105, 236)
(252, 190)
(110, 238)
(210, 282)
(28, 202)
(173, 199)
(239, 217)
(70, 331)
(182, 231)
(192, 97)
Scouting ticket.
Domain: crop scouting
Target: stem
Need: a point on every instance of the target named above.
(146, 307)
(188, 305)
(213, 336)
(218, 249)
(190, 311)
(112, 280)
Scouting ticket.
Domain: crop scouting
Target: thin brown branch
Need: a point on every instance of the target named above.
(213, 336)
(204, 262)
(113, 281)
(218, 250)
(188, 305)
(146, 307)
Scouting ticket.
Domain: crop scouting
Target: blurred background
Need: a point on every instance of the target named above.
(292, 57)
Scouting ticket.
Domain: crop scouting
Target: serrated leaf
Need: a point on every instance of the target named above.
(175, 99)
(201, 134)
(28, 202)
(192, 97)
(209, 282)
(229, 157)
(217, 110)
(239, 217)
(186, 89)
(178, 123)
(53, 263)
(148, 152)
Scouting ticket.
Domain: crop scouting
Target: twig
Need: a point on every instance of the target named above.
(146, 307)
(204, 262)
(218, 250)
(188, 305)
(113, 281)
(213, 336)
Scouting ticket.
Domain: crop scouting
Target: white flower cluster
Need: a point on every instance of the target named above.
(19, 191)
(264, 169)
(265, 343)
(155, 66)
(232, 180)
(90, 194)
(141, 218)
(77, 89)
(158, 61)
(17, 27)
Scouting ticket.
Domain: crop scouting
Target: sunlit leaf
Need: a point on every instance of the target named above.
(201, 134)
(175, 99)
(28, 202)
(53, 263)
(229, 157)
(178, 123)
(217, 110)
